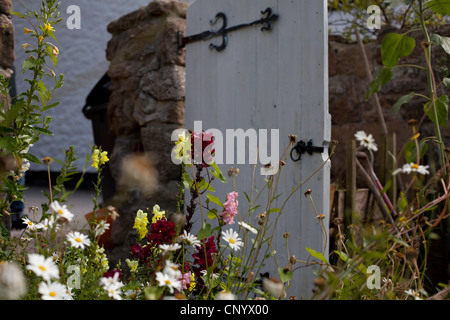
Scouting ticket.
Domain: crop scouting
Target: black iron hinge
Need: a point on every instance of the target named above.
(266, 21)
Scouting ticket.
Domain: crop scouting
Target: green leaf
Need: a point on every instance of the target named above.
(285, 276)
(400, 102)
(383, 77)
(44, 131)
(273, 210)
(411, 152)
(218, 173)
(441, 105)
(30, 157)
(204, 232)
(49, 106)
(446, 82)
(29, 63)
(317, 255)
(214, 199)
(18, 14)
(444, 42)
(12, 113)
(212, 214)
(342, 255)
(395, 46)
(439, 6)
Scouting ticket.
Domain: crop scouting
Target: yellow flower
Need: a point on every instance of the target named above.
(48, 27)
(99, 158)
(104, 157)
(140, 224)
(157, 214)
(41, 38)
(25, 46)
(132, 264)
(183, 147)
(27, 31)
(192, 284)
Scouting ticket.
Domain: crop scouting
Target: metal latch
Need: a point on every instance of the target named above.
(302, 147)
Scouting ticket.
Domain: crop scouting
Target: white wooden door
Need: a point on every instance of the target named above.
(274, 80)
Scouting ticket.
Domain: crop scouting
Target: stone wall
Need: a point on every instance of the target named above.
(146, 105)
(348, 85)
(7, 58)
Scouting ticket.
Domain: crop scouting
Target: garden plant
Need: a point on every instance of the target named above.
(223, 258)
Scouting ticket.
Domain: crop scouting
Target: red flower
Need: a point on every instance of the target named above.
(162, 232)
(205, 140)
(203, 257)
(111, 273)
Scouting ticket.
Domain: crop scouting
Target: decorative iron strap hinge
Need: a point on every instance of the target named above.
(301, 147)
(265, 21)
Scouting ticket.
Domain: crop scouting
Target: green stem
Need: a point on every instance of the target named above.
(432, 85)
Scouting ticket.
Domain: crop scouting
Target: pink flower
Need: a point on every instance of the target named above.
(185, 280)
(230, 208)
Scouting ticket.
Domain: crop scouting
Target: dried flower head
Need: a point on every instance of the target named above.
(47, 160)
(292, 138)
(233, 172)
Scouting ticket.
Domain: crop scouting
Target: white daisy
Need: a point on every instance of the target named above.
(169, 247)
(55, 257)
(414, 294)
(232, 237)
(52, 291)
(48, 224)
(43, 267)
(111, 282)
(69, 294)
(62, 213)
(101, 227)
(166, 280)
(32, 226)
(114, 293)
(413, 167)
(213, 276)
(366, 140)
(191, 239)
(248, 227)
(172, 269)
(78, 240)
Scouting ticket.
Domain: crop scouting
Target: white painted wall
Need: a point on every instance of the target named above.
(82, 60)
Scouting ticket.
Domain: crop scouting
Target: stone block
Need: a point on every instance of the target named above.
(6, 7)
(120, 114)
(168, 83)
(7, 54)
(156, 139)
(169, 51)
